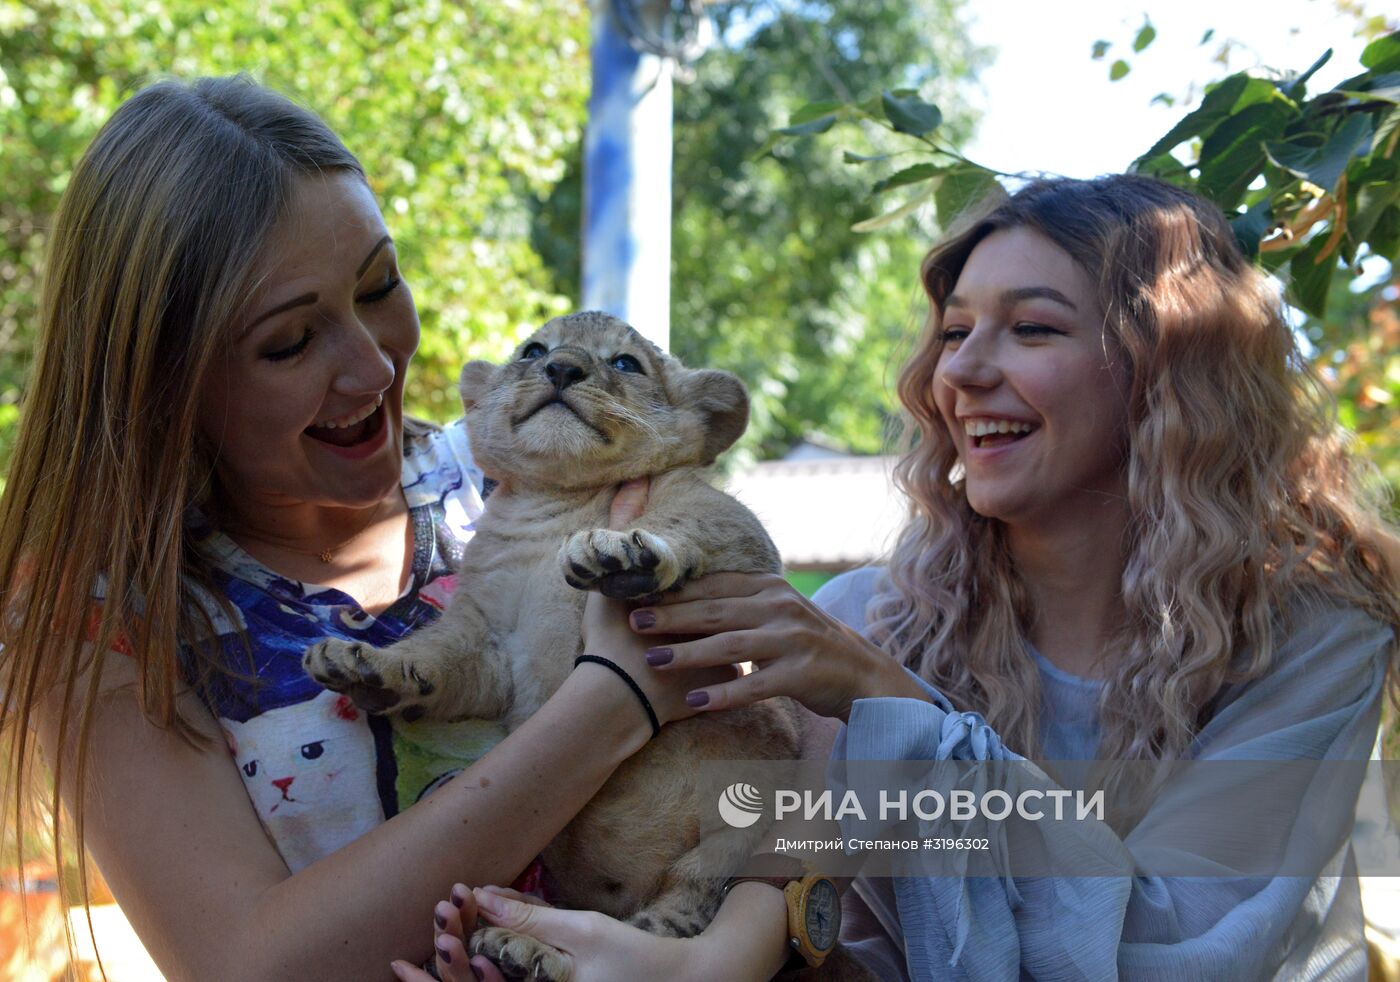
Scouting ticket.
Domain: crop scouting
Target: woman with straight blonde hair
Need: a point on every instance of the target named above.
(1136, 535)
(212, 472)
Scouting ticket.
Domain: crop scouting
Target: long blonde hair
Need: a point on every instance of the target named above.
(149, 265)
(1244, 500)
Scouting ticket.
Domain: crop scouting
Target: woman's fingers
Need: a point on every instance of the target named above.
(729, 648)
(725, 602)
(629, 502)
(719, 585)
(512, 894)
(744, 690)
(564, 929)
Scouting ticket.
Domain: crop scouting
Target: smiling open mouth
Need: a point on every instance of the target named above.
(988, 435)
(349, 436)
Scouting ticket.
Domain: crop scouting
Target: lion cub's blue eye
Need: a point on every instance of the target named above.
(532, 351)
(626, 363)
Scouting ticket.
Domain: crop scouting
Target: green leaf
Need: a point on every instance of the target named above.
(1373, 198)
(810, 128)
(1382, 146)
(1205, 38)
(815, 110)
(1384, 239)
(874, 107)
(890, 217)
(1309, 279)
(859, 158)
(909, 175)
(1100, 49)
(1163, 99)
(1117, 70)
(1383, 54)
(1251, 227)
(1298, 86)
(1233, 154)
(1144, 37)
(1323, 165)
(910, 114)
(959, 190)
(1229, 95)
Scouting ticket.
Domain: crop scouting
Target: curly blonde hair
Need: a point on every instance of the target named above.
(1245, 503)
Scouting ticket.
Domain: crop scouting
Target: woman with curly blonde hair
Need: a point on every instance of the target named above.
(1136, 535)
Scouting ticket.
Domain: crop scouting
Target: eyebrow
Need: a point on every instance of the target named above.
(307, 298)
(1010, 297)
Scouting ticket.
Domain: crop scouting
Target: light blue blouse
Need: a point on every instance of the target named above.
(1320, 701)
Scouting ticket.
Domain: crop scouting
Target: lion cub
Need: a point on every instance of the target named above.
(586, 403)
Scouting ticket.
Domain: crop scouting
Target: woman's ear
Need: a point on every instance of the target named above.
(475, 382)
(723, 405)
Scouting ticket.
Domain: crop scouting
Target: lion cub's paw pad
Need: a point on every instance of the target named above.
(520, 956)
(619, 564)
(374, 680)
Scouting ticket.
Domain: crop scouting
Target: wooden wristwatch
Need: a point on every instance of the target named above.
(814, 912)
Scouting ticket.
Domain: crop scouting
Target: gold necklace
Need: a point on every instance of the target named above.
(326, 555)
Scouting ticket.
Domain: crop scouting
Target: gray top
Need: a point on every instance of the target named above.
(1321, 700)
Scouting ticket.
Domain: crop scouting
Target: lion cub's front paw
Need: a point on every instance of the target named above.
(620, 564)
(375, 680)
(520, 956)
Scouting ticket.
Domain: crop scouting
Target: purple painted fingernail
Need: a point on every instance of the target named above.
(444, 954)
(440, 921)
(643, 619)
(458, 899)
(697, 699)
(659, 656)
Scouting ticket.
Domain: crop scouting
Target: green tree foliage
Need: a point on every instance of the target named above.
(463, 114)
(764, 283)
(1311, 182)
(814, 317)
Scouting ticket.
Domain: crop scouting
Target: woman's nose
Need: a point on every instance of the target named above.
(366, 366)
(972, 364)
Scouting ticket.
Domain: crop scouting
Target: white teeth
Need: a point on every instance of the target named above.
(986, 427)
(344, 422)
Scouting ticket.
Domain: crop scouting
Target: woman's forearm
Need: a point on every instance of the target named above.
(747, 940)
(175, 835)
(370, 898)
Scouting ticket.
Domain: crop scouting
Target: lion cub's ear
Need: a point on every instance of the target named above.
(723, 404)
(475, 382)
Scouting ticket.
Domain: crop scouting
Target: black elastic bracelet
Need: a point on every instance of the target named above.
(631, 684)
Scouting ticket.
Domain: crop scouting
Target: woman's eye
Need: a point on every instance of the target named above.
(532, 351)
(1029, 329)
(952, 335)
(296, 349)
(382, 292)
(626, 363)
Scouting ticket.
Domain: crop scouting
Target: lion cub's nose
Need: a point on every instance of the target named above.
(563, 374)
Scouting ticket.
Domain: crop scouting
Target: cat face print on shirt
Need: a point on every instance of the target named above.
(310, 771)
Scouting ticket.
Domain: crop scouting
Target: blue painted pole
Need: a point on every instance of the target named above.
(627, 183)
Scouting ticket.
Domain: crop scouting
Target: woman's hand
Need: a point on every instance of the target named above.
(453, 925)
(597, 947)
(606, 632)
(797, 649)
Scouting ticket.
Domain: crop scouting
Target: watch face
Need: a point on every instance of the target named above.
(823, 915)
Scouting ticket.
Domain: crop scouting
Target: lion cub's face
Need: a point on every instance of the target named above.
(586, 402)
